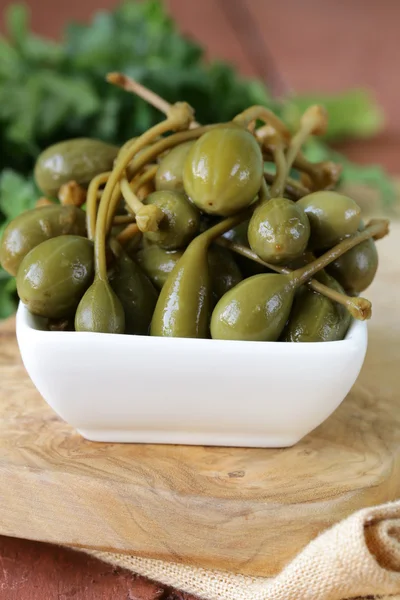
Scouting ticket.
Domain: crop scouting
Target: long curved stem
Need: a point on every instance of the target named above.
(376, 229)
(313, 121)
(129, 196)
(128, 233)
(91, 202)
(264, 193)
(281, 170)
(324, 174)
(148, 155)
(177, 120)
(123, 220)
(292, 187)
(132, 199)
(359, 308)
(131, 85)
(264, 114)
(148, 217)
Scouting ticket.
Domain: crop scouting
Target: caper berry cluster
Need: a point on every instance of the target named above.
(224, 231)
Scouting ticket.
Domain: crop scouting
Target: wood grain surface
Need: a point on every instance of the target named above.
(248, 511)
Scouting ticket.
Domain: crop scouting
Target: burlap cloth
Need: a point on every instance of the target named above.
(358, 557)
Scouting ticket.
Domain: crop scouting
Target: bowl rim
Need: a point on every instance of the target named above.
(29, 324)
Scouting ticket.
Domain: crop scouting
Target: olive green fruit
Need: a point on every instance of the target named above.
(157, 263)
(170, 171)
(100, 310)
(224, 272)
(315, 318)
(181, 221)
(223, 171)
(33, 227)
(79, 159)
(255, 310)
(136, 293)
(182, 309)
(278, 231)
(54, 275)
(332, 217)
(356, 269)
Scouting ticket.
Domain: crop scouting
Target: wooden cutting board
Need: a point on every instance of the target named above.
(248, 511)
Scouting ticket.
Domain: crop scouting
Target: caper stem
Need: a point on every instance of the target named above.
(225, 225)
(264, 194)
(313, 121)
(147, 217)
(130, 197)
(376, 229)
(129, 232)
(359, 308)
(177, 119)
(135, 186)
(264, 114)
(278, 185)
(145, 177)
(123, 219)
(91, 202)
(292, 187)
(129, 190)
(324, 174)
(131, 85)
(164, 144)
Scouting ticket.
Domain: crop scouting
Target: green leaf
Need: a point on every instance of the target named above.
(42, 52)
(353, 113)
(17, 194)
(17, 22)
(9, 60)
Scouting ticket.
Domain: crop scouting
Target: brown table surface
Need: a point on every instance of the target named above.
(324, 46)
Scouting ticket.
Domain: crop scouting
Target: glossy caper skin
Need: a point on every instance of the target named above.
(315, 318)
(136, 293)
(170, 171)
(356, 269)
(79, 159)
(223, 171)
(182, 308)
(278, 231)
(181, 221)
(100, 310)
(33, 227)
(224, 272)
(255, 310)
(157, 263)
(332, 217)
(54, 275)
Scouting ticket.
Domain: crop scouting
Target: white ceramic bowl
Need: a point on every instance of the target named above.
(121, 388)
